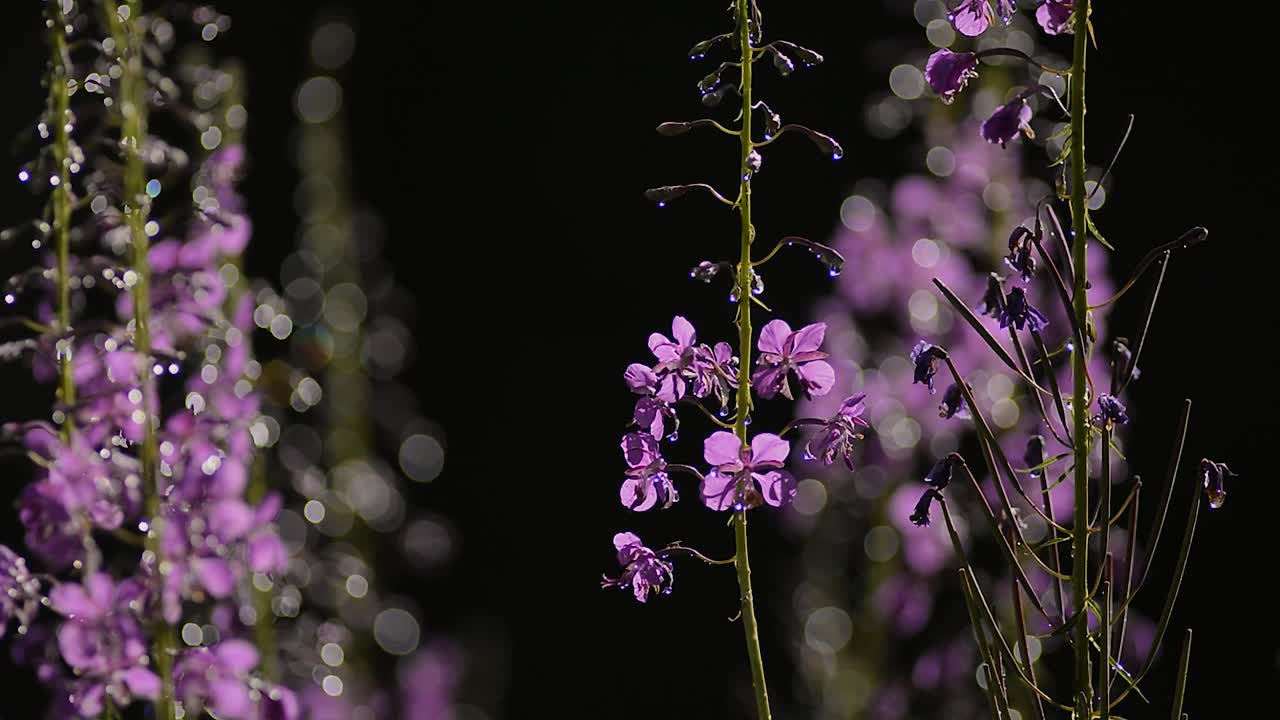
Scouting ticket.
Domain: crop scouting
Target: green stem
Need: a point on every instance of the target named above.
(60, 119)
(126, 31)
(743, 564)
(1079, 403)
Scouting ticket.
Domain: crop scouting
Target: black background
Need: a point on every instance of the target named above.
(507, 147)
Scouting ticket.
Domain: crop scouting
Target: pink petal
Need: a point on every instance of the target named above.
(773, 337)
(818, 377)
(769, 448)
(663, 348)
(625, 539)
(778, 487)
(239, 656)
(142, 683)
(723, 449)
(809, 338)
(214, 575)
(637, 494)
(718, 491)
(683, 331)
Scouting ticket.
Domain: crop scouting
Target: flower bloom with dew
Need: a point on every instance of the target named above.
(1215, 475)
(675, 359)
(784, 353)
(103, 641)
(743, 477)
(1110, 411)
(1007, 121)
(972, 17)
(953, 403)
(1054, 16)
(838, 434)
(948, 72)
(1019, 312)
(920, 516)
(651, 413)
(642, 569)
(19, 591)
(647, 481)
(716, 370)
(1020, 257)
(924, 356)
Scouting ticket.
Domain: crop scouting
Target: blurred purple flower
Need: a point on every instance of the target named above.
(19, 591)
(218, 679)
(783, 353)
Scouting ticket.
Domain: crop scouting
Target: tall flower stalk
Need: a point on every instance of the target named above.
(746, 471)
(1096, 417)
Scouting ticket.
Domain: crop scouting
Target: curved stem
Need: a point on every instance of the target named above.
(1079, 400)
(743, 563)
(127, 31)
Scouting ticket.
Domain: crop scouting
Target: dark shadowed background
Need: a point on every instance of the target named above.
(507, 147)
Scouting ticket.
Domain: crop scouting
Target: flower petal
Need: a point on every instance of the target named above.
(778, 487)
(723, 449)
(809, 338)
(637, 494)
(718, 490)
(773, 337)
(818, 378)
(769, 448)
(683, 331)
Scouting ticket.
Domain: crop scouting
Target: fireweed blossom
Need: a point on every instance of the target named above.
(744, 477)
(647, 482)
(1018, 312)
(972, 17)
(924, 357)
(676, 360)
(19, 591)
(784, 354)
(643, 571)
(1020, 257)
(1054, 16)
(838, 434)
(948, 72)
(1007, 122)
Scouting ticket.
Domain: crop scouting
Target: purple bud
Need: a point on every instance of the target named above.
(948, 72)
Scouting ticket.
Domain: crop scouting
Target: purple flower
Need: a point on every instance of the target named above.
(920, 516)
(217, 678)
(1007, 121)
(1054, 16)
(741, 477)
(652, 415)
(647, 481)
(1006, 9)
(923, 356)
(1110, 411)
(948, 72)
(103, 642)
(1020, 257)
(716, 372)
(642, 569)
(939, 476)
(19, 591)
(971, 17)
(641, 379)
(1215, 474)
(839, 433)
(953, 403)
(675, 359)
(1018, 312)
(783, 353)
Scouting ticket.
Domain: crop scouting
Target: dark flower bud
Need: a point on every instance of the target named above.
(1215, 474)
(1033, 456)
(712, 99)
(1194, 236)
(1110, 412)
(1018, 312)
(754, 161)
(924, 355)
(706, 270)
(993, 298)
(805, 55)
(672, 129)
(700, 50)
(772, 124)
(1122, 362)
(940, 476)
(782, 62)
(1020, 257)
(953, 403)
(920, 517)
(666, 193)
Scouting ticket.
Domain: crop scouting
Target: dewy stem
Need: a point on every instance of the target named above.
(1079, 400)
(743, 564)
(126, 30)
(61, 200)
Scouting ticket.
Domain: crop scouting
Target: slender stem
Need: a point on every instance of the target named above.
(61, 199)
(126, 30)
(1079, 400)
(743, 563)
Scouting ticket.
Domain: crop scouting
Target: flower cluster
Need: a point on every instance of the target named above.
(148, 344)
